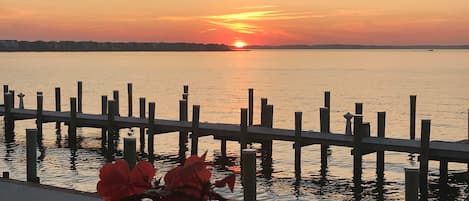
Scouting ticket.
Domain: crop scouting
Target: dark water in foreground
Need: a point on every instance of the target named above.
(293, 80)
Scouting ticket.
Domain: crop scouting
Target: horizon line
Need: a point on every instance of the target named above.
(249, 45)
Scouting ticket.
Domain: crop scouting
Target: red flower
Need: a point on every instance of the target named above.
(192, 179)
(117, 181)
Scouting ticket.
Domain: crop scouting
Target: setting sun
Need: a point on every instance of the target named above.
(239, 44)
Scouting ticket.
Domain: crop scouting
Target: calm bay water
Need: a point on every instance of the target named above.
(292, 80)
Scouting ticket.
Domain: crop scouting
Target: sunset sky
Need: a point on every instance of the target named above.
(273, 22)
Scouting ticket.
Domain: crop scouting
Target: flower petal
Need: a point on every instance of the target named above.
(141, 176)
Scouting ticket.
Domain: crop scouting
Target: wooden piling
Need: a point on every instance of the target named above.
(183, 139)
(413, 100)
(72, 126)
(248, 167)
(39, 118)
(130, 154)
(115, 96)
(103, 112)
(58, 104)
(325, 129)
(142, 103)
(411, 184)
(151, 130)
(186, 89)
(366, 129)
(381, 134)
(358, 108)
(129, 95)
(57, 99)
(5, 89)
(12, 98)
(267, 144)
(327, 99)
(424, 154)
(185, 95)
(357, 148)
(244, 129)
(297, 145)
(6, 175)
(263, 117)
(8, 117)
(251, 106)
(111, 129)
(80, 97)
(195, 129)
(31, 155)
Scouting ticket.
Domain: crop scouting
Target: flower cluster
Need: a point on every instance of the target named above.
(190, 181)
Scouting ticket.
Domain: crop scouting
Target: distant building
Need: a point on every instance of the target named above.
(9, 45)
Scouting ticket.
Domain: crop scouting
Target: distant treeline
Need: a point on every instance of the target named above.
(338, 46)
(14, 45)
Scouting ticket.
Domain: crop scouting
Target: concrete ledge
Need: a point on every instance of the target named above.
(13, 190)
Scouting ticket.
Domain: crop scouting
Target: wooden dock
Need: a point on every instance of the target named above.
(361, 140)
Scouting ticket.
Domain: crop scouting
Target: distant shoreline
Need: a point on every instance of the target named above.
(91, 46)
(424, 47)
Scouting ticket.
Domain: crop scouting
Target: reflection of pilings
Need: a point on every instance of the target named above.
(58, 137)
(73, 159)
(380, 187)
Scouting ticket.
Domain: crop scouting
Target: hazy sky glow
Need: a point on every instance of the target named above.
(273, 22)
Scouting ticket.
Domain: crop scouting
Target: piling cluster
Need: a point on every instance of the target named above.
(358, 138)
